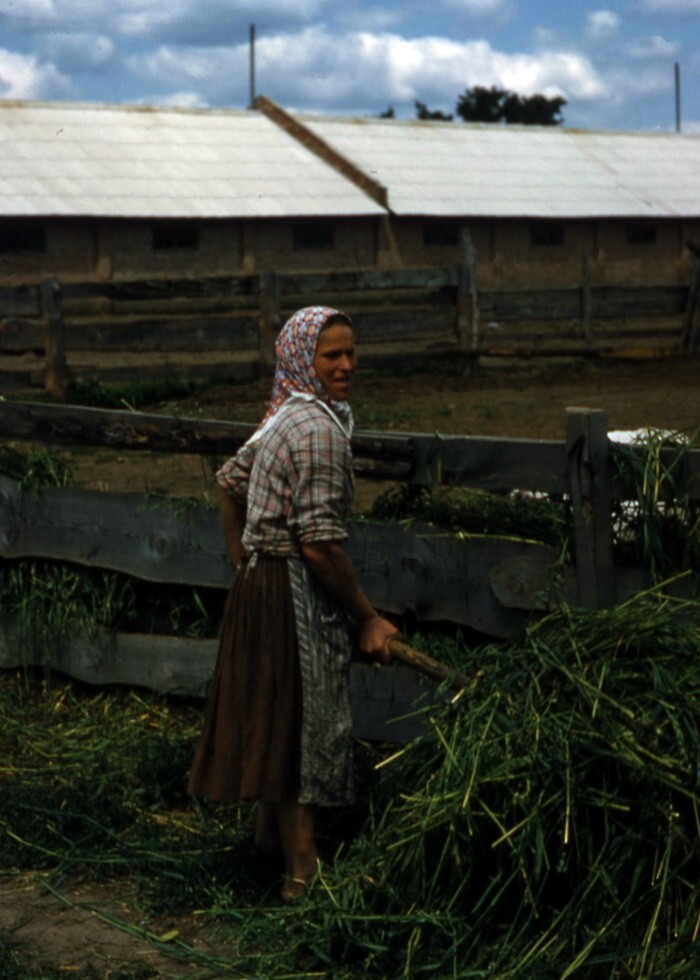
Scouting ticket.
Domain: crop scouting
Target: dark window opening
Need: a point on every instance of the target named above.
(174, 235)
(440, 233)
(641, 234)
(547, 233)
(313, 235)
(20, 236)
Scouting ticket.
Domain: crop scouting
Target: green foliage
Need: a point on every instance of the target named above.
(658, 530)
(38, 468)
(130, 395)
(473, 512)
(423, 112)
(96, 784)
(49, 602)
(494, 104)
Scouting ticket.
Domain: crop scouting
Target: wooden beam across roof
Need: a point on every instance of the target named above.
(322, 149)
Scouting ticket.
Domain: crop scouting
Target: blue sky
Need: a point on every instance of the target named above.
(613, 62)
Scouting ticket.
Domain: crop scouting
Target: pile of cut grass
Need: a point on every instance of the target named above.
(547, 824)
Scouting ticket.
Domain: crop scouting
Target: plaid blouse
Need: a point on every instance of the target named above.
(297, 481)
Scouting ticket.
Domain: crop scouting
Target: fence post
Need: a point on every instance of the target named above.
(269, 322)
(587, 300)
(690, 337)
(588, 466)
(467, 325)
(56, 373)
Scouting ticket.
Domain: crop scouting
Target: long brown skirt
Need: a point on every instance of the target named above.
(250, 745)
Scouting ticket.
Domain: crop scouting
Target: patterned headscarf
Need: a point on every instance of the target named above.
(294, 374)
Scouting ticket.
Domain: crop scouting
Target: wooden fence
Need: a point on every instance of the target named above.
(224, 328)
(489, 584)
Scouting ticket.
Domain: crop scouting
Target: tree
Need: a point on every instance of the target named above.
(498, 105)
(388, 113)
(423, 112)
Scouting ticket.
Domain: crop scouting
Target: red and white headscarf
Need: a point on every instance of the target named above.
(294, 374)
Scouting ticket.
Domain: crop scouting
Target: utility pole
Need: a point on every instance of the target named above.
(252, 65)
(677, 76)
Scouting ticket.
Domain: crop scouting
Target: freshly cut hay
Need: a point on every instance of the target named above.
(557, 804)
(548, 823)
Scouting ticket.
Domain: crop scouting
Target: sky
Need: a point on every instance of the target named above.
(612, 62)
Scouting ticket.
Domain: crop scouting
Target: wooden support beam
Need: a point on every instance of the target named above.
(467, 325)
(270, 319)
(322, 149)
(690, 336)
(56, 372)
(590, 490)
(587, 300)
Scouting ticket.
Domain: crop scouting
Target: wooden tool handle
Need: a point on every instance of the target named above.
(426, 665)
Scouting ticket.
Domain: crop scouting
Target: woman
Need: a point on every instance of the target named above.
(277, 723)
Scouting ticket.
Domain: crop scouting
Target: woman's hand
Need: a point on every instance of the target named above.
(373, 638)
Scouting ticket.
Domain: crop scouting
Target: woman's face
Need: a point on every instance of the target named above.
(334, 361)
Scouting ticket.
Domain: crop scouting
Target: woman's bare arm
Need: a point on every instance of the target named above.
(331, 565)
(233, 514)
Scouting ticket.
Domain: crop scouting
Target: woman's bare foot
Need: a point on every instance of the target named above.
(295, 886)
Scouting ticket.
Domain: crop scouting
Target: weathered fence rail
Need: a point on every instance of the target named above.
(424, 311)
(489, 584)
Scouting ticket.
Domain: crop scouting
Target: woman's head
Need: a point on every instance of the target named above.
(297, 369)
(296, 350)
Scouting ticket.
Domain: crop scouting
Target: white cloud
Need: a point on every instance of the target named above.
(23, 76)
(669, 8)
(192, 21)
(652, 48)
(77, 52)
(602, 24)
(317, 69)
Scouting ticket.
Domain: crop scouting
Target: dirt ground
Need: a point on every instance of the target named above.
(519, 401)
(528, 401)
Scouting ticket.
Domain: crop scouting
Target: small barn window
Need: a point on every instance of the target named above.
(547, 233)
(641, 234)
(441, 233)
(308, 236)
(169, 235)
(22, 236)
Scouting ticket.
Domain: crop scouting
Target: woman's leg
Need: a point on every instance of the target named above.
(266, 837)
(297, 828)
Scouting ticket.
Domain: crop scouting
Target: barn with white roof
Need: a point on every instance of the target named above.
(94, 191)
(126, 192)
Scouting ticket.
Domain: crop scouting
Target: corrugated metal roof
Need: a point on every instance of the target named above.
(125, 162)
(462, 169)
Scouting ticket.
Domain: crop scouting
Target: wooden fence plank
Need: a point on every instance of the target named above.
(18, 335)
(20, 301)
(213, 371)
(414, 571)
(380, 455)
(591, 502)
(380, 698)
(481, 462)
(490, 463)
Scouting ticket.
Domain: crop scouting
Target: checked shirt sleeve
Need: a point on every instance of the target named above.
(320, 465)
(234, 475)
